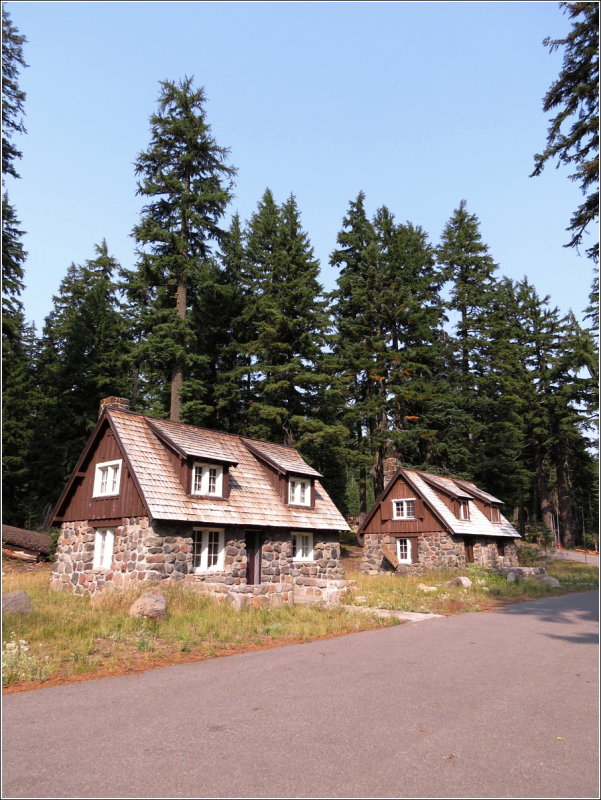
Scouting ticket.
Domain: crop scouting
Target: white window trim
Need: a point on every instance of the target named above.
(308, 557)
(205, 476)
(104, 543)
(204, 552)
(295, 491)
(407, 559)
(98, 492)
(402, 514)
(464, 510)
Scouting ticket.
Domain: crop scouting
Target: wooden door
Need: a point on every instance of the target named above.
(469, 551)
(253, 558)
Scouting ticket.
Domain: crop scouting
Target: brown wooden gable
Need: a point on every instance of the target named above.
(76, 501)
(380, 519)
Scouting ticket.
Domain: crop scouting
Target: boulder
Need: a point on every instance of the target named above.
(549, 581)
(460, 581)
(511, 577)
(16, 603)
(151, 606)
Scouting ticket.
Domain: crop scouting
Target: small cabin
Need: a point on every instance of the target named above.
(153, 500)
(423, 521)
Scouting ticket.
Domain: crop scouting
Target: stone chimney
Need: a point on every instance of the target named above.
(392, 462)
(120, 403)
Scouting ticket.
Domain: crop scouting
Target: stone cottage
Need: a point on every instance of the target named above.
(422, 521)
(151, 499)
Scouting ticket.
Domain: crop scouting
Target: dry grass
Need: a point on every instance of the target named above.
(66, 636)
(487, 591)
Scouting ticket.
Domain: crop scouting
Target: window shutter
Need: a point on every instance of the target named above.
(386, 510)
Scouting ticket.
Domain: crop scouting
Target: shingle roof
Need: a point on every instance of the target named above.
(286, 459)
(252, 500)
(477, 525)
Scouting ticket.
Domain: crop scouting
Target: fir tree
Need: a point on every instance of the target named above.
(84, 356)
(184, 174)
(573, 134)
(470, 268)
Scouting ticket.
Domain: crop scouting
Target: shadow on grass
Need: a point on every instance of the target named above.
(565, 610)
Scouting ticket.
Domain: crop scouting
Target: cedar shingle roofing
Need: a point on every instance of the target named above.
(253, 501)
(428, 488)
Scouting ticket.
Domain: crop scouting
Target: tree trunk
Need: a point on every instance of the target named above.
(177, 376)
(566, 530)
(544, 496)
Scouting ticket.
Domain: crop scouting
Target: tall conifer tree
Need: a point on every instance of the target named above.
(188, 183)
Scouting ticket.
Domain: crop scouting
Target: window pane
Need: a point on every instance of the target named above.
(212, 480)
(292, 492)
(212, 548)
(409, 508)
(196, 549)
(104, 473)
(115, 473)
(197, 480)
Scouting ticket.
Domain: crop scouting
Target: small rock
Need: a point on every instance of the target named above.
(511, 577)
(16, 603)
(461, 581)
(549, 581)
(360, 599)
(152, 606)
(423, 588)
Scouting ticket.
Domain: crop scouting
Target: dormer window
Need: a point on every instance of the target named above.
(299, 492)
(464, 509)
(107, 478)
(207, 479)
(495, 514)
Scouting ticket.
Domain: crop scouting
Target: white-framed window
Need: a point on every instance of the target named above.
(495, 514)
(107, 478)
(302, 546)
(104, 540)
(299, 492)
(464, 509)
(208, 550)
(403, 551)
(403, 509)
(207, 479)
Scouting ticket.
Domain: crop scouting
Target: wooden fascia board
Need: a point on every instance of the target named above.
(378, 501)
(77, 473)
(134, 477)
(432, 508)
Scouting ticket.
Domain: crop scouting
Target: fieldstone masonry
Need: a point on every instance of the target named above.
(435, 549)
(144, 552)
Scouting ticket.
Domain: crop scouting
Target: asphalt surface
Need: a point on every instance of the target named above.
(478, 705)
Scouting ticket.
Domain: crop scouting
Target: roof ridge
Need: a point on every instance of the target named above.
(201, 428)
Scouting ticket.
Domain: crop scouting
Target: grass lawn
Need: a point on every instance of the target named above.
(68, 638)
(488, 590)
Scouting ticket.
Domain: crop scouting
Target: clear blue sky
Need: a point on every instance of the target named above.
(417, 104)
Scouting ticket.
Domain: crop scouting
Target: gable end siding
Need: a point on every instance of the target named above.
(382, 521)
(80, 505)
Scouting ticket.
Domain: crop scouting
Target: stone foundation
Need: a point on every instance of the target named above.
(144, 552)
(435, 549)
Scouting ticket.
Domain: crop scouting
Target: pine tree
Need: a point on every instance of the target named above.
(573, 134)
(184, 174)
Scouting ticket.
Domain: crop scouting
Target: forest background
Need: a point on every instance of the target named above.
(420, 348)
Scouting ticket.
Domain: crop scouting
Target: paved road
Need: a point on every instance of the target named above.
(574, 555)
(478, 705)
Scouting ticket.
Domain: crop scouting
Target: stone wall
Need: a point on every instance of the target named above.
(163, 551)
(435, 549)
